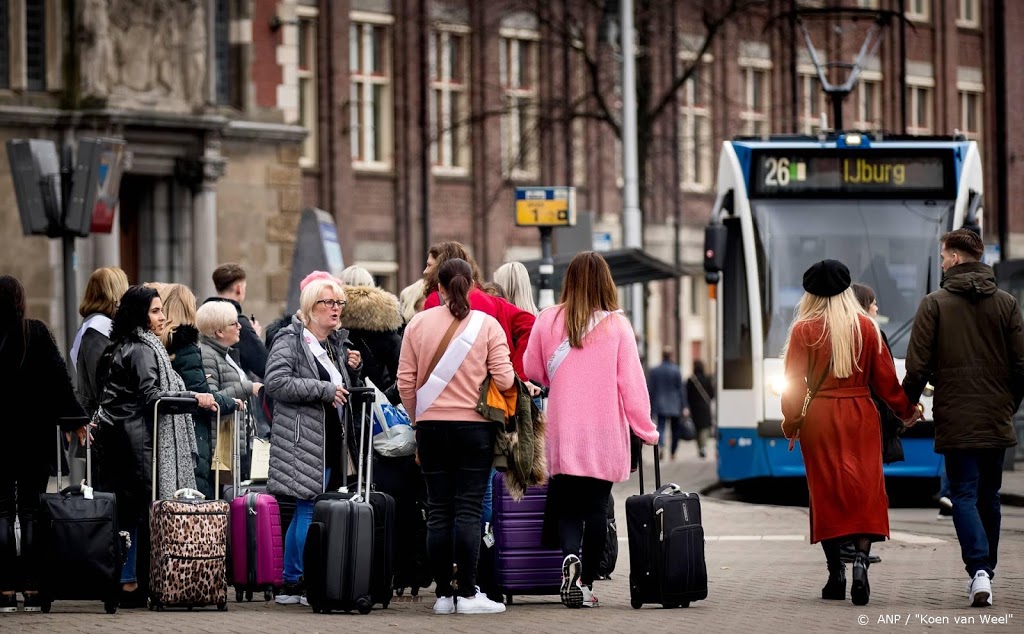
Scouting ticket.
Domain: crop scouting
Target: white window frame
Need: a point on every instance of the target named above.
(17, 47)
(579, 124)
(751, 118)
(915, 86)
(512, 148)
(454, 135)
(965, 90)
(306, 79)
(810, 120)
(972, 22)
(874, 78)
(365, 22)
(923, 15)
(696, 130)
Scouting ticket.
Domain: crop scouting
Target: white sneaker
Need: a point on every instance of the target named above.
(946, 503)
(589, 598)
(980, 590)
(288, 599)
(571, 590)
(304, 601)
(444, 605)
(479, 604)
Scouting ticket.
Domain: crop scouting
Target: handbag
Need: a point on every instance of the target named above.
(687, 430)
(393, 435)
(798, 422)
(892, 429)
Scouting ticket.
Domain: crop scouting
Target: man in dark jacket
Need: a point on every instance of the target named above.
(968, 340)
(229, 280)
(668, 399)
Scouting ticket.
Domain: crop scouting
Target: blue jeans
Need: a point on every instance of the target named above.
(943, 480)
(295, 540)
(488, 509)
(128, 571)
(675, 423)
(975, 476)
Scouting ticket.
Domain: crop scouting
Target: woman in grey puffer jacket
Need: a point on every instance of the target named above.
(309, 371)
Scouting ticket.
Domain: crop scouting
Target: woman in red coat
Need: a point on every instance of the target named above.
(835, 354)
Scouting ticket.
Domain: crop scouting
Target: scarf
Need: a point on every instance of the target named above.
(176, 434)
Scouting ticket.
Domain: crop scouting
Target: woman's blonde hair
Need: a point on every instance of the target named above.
(411, 299)
(357, 276)
(588, 287)
(179, 308)
(104, 290)
(514, 279)
(311, 295)
(214, 316)
(840, 318)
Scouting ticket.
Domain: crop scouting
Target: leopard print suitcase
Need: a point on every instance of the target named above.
(189, 553)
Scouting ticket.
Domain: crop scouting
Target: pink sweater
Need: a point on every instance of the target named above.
(457, 402)
(598, 394)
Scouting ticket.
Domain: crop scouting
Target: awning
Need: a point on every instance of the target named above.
(629, 266)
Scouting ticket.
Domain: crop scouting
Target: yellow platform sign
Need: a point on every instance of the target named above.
(545, 206)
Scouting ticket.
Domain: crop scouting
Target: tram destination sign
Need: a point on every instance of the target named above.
(869, 173)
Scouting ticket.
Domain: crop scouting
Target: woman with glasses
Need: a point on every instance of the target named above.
(221, 331)
(309, 371)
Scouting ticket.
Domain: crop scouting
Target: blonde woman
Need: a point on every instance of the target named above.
(102, 293)
(357, 276)
(835, 359)
(514, 279)
(181, 338)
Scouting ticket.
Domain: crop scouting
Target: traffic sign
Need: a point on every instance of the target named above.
(545, 206)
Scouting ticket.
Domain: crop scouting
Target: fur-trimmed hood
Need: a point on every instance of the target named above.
(370, 308)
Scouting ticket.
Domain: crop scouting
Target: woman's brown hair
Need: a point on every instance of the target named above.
(456, 277)
(442, 252)
(588, 286)
(103, 292)
(865, 295)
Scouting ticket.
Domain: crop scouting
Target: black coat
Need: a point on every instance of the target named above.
(94, 343)
(251, 349)
(36, 394)
(700, 407)
(374, 320)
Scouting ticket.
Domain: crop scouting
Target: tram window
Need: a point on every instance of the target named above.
(737, 354)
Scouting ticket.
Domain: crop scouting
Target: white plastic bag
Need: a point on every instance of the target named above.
(393, 435)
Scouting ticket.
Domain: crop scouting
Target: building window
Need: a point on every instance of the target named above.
(869, 102)
(579, 124)
(919, 107)
(811, 100)
(867, 4)
(695, 130)
(449, 104)
(370, 66)
(222, 50)
(35, 44)
(756, 112)
(517, 59)
(5, 46)
(307, 42)
(969, 17)
(918, 10)
(971, 104)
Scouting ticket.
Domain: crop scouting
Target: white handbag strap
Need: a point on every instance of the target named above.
(449, 364)
(562, 351)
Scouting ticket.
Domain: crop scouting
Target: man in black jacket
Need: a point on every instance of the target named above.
(968, 340)
(229, 280)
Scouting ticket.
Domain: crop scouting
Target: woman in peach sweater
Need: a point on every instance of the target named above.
(455, 443)
(585, 349)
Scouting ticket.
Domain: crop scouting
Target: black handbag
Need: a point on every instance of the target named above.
(892, 429)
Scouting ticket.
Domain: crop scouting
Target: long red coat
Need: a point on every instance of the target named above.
(841, 438)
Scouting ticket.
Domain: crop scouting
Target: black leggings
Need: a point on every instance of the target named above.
(20, 486)
(582, 511)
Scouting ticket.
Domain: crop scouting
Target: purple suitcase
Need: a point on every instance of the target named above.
(521, 564)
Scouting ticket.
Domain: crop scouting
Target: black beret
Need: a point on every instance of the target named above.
(827, 278)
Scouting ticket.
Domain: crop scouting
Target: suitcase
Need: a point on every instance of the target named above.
(257, 547)
(666, 545)
(402, 479)
(82, 550)
(189, 537)
(522, 565)
(347, 561)
(611, 545)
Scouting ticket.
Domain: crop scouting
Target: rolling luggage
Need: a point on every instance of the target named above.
(666, 545)
(611, 545)
(81, 548)
(521, 563)
(257, 547)
(189, 539)
(347, 561)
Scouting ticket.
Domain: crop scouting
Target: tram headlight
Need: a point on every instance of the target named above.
(777, 384)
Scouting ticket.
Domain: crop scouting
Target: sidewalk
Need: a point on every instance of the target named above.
(1012, 493)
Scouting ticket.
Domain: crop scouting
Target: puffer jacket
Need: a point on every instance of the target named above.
(222, 378)
(968, 340)
(298, 441)
(373, 320)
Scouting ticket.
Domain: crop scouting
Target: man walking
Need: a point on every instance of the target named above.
(229, 280)
(968, 340)
(668, 399)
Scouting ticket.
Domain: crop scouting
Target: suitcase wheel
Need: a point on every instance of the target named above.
(238, 596)
(223, 605)
(364, 605)
(508, 599)
(248, 595)
(386, 603)
(316, 608)
(110, 606)
(636, 603)
(45, 607)
(672, 605)
(401, 591)
(414, 592)
(268, 595)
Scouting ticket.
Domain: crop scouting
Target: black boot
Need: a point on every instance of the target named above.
(835, 589)
(860, 590)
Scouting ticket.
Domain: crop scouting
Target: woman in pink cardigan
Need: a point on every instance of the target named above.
(585, 349)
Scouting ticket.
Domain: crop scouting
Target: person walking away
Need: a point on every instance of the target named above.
(136, 372)
(700, 391)
(36, 391)
(309, 373)
(229, 280)
(668, 400)
(374, 321)
(834, 359)
(585, 350)
(514, 279)
(447, 352)
(968, 341)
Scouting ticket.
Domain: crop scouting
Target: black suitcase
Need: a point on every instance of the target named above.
(368, 555)
(82, 550)
(666, 545)
(611, 544)
(402, 479)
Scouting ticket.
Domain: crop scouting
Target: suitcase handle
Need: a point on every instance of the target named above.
(188, 494)
(657, 469)
(74, 439)
(74, 489)
(178, 405)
